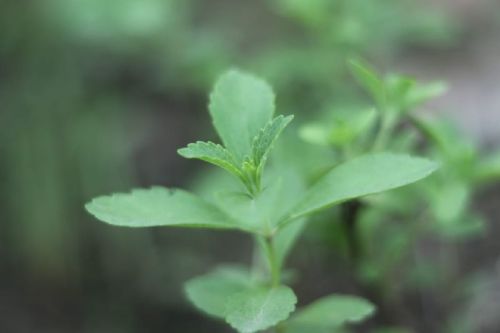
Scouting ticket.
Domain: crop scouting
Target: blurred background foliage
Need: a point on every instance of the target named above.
(97, 95)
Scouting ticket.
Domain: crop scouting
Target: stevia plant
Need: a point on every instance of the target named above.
(269, 203)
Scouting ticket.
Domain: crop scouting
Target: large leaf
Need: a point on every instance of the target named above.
(258, 309)
(368, 174)
(240, 105)
(329, 313)
(210, 292)
(158, 206)
(212, 153)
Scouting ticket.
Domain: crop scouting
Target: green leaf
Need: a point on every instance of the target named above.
(449, 201)
(263, 142)
(240, 105)
(258, 309)
(158, 206)
(329, 313)
(364, 175)
(315, 133)
(405, 93)
(370, 81)
(212, 153)
(421, 93)
(210, 292)
(488, 170)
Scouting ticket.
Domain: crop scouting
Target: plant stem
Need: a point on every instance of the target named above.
(272, 260)
(350, 211)
(388, 121)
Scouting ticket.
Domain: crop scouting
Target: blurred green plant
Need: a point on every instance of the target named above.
(382, 234)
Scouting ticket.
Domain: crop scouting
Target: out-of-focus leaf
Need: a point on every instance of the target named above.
(370, 81)
(449, 202)
(489, 169)
(364, 175)
(328, 313)
(405, 93)
(240, 106)
(315, 133)
(258, 309)
(350, 126)
(466, 227)
(343, 130)
(422, 93)
(210, 292)
(159, 206)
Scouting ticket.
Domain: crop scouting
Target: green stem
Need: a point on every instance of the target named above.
(272, 260)
(388, 121)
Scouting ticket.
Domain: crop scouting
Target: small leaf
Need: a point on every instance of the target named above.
(421, 93)
(488, 170)
(258, 309)
(210, 292)
(406, 94)
(212, 153)
(158, 206)
(240, 105)
(263, 142)
(370, 81)
(368, 174)
(315, 133)
(449, 201)
(329, 313)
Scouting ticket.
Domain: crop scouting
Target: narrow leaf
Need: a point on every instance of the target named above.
(240, 105)
(263, 142)
(212, 153)
(368, 174)
(424, 92)
(329, 313)
(369, 80)
(210, 292)
(158, 206)
(258, 309)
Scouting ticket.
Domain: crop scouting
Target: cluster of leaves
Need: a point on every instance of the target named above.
(390, 226)
(270, 206)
